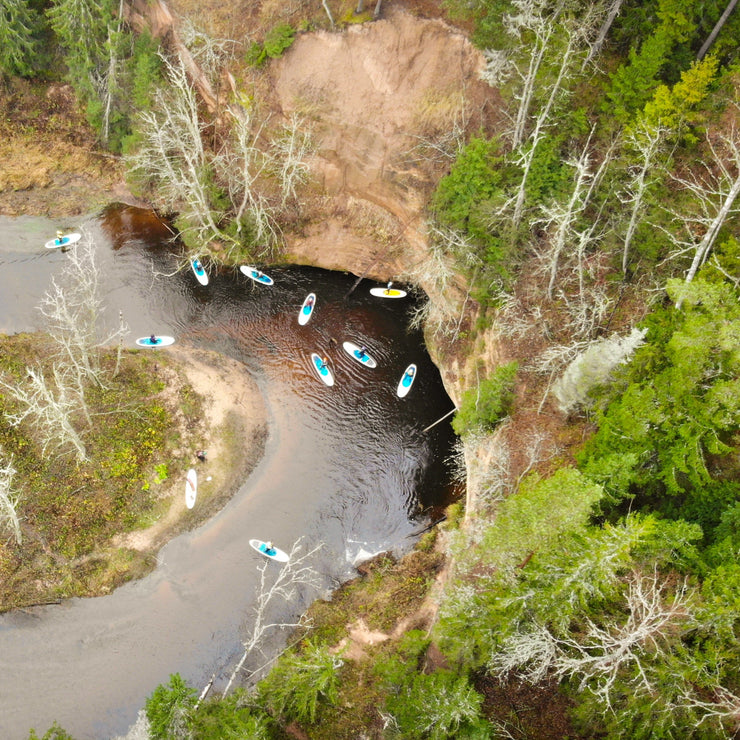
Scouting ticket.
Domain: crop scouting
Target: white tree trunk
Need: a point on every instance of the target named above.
(9, 501)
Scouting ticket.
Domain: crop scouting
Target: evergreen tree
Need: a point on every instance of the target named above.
(18, 22)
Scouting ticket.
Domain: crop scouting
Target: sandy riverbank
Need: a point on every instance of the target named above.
(233, 434)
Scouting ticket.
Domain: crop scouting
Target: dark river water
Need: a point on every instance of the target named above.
(348, 466)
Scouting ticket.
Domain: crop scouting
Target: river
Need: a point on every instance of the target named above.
(348, 466)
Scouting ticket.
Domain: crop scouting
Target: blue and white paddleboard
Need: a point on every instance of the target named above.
(257, 275)
(404, 385)
(307, 309)
(358, 354)
(63, 241)
(322, 370)
(158, 341)
(199, 271)
(273, 553)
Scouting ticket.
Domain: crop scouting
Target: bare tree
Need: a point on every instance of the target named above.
(613, 8)
(50, 408)
(72, 309)
(601, 653)
(555, 42)
(241, 166)
(561, 218)
(289, 152)
(535, 20)
(174, 154)
(295, 573)
(715, 193)
(575, 35)
(717, 28)
(9, 501)
(648, 143)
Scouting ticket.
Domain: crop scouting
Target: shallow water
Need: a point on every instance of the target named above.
(348, 466)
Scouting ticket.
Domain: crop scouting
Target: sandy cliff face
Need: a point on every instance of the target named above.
(378, 95)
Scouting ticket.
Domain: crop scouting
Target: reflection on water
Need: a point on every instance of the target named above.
(348, 466)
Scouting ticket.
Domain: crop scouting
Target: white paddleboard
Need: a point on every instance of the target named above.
(273, 554)
(324, 373)
(407, 380)
(307, 309)
(199, 271)
(257, 275)
(191, 488)
(387, 292)
(65, 241)
(159, 341)
(355, 352)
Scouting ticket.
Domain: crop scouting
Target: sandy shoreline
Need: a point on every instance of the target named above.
(234, 432)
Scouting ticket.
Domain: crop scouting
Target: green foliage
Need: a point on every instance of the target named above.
(544, 519)
(397, 669)
(18, 45)
(460, 199)
(55, 732)
(680, 106)
(549, 175)
(169, 708)
(256, 55)
(678, 408)
(633, 83)
(437, 706)
(231, 718)
(162, 472)
(278, 39)
(145, 70)
(300, 683)
(82, 29)
(485, 406)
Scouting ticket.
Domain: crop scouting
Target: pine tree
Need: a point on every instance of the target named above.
(17, 44)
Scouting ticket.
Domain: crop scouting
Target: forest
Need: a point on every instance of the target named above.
(595, 561)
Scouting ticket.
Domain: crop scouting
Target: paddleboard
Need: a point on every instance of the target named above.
(191, 488)
(158, 341)
(323, 372)
(200, 273)
(354, 351)
(257, 275)
(387, 292)
(65, 241)
(273, 554)
(404, 385)
(307, 309)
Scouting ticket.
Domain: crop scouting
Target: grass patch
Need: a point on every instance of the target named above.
(388, 592)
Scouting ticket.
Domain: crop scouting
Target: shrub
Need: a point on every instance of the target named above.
(278, 39)
(485, 406)
(256, 55)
